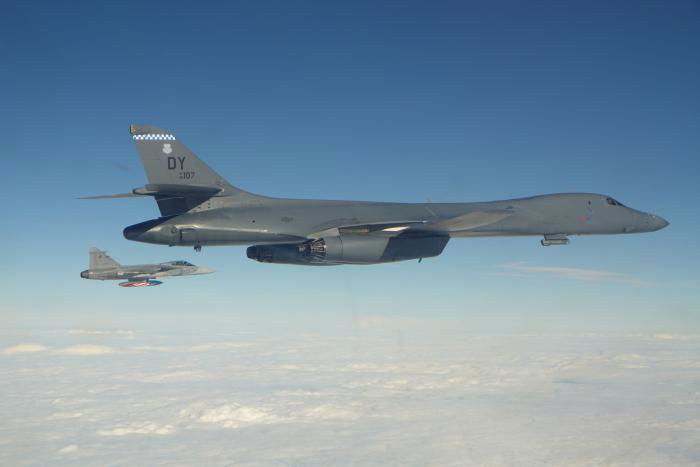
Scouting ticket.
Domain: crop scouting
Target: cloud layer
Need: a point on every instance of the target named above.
(320, 400)
(23, 348)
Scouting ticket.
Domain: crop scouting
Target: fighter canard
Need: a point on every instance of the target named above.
(198, 207)
(103, 267)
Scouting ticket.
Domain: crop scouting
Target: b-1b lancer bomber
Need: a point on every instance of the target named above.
(200, 208)
(103, 267)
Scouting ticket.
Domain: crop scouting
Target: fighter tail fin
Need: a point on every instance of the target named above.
(101, 260)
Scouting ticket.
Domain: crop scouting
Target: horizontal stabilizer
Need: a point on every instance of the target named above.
(120, 195)
(172, 198)
(181, 190)
(164, 189)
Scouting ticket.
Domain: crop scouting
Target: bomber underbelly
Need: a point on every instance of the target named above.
(195, 235)
(473, 234)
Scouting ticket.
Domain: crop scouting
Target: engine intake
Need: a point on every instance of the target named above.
(288, 253)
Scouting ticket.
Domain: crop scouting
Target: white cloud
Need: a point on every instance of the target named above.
(24, 348)
(124, 333)
(521, 269)
(66, 415)
(206, 347)
(86, 349)
(669, 337)
(216, 346)
(142, 428)
(328, 412)
(230, 415)
(664, 337)
(692, 424)
(81, 349)
(158, 376)
(70, 449)
(274, 411)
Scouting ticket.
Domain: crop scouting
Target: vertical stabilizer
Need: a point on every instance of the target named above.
(101, 260)
(170, 165)
(169, 162)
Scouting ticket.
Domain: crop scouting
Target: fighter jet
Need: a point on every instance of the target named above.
(200, 208)
(103, 267)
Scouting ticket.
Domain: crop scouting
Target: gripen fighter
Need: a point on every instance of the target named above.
(200, 208)
(103, 267)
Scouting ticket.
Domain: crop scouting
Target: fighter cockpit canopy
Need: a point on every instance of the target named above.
(181, 263)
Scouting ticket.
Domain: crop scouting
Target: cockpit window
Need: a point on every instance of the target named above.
(613, 202)
(182, 263)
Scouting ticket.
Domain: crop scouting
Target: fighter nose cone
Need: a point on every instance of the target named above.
(204, 271)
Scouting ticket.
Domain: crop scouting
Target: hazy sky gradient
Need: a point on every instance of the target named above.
(401, 101)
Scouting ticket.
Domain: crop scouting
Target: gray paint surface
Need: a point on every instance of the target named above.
(200, 208)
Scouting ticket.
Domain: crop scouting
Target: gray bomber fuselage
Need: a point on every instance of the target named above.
(200, 208)
(274, 220)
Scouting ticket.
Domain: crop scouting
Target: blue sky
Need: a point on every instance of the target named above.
(401, 101)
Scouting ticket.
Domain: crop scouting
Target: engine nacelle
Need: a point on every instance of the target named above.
(287, 253)
(350, 249)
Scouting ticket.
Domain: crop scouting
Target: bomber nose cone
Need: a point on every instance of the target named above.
(660, 222)
(657, 222)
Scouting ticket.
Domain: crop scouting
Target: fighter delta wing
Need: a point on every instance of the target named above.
(199, 207)
(103, 267)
